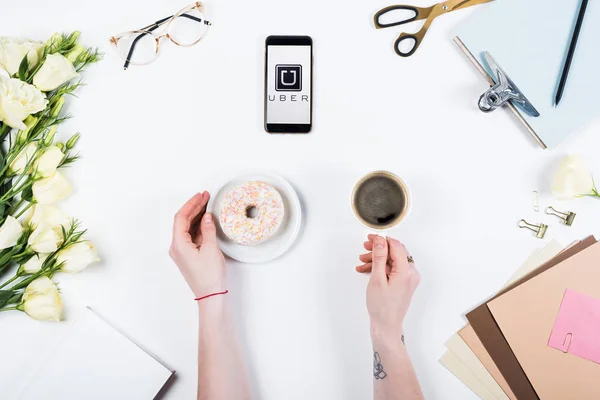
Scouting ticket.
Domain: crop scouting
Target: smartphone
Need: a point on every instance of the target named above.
(288, 84)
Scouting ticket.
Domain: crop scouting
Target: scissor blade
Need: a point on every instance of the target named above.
(467, 3)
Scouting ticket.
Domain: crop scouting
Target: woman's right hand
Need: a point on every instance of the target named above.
(393, 282)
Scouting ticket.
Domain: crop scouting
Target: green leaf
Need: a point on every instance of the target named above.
(24, 68)
(5, 297)
(27, 194)
(16, 298)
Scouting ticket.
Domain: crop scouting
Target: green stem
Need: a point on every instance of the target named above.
(28, 280)
(9, 309)
(11, 280)
(15, 207)
(27, 207)
(13, 191)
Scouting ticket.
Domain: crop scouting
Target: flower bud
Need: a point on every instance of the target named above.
(30, 122)
(10, 233)
(573, 179)
(49, 138)
(45, 238)
(51, 190)
(76, 52)
(42, 301)
(77, 256)
(22, 137)
(48, 162)
(22, 162)
(71, 143)
(34, 264)
(74, 37)
(54, 72)
(53, 43)
(57, 107)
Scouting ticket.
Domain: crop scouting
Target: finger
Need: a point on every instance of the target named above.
(209, 230)
(366, 268)
(380, 255)
(368, 246)
(398, 255)
(371, 237)
(366, 258)
(184, 217)
(363, 269)
(196, 232)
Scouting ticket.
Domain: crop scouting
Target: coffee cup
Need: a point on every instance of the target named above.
(380, 200)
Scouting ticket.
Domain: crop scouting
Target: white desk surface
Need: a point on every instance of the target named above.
(154, 135)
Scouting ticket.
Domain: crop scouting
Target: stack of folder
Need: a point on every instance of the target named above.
(539, 337)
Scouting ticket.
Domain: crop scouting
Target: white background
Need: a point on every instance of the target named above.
(155, 135)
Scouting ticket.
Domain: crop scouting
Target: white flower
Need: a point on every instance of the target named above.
(572, 179)
(3, 73)
(77, 256)
(42, 301)
(18, 100)
(55, 71)
(34, 264)
(10, 232)
(45, 238)
(49, 214)
(52, 189)
(48, 162)
(14, 50)
(18, 165)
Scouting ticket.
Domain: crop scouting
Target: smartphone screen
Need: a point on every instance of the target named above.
(288, 84)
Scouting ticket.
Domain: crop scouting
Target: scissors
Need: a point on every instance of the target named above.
(428, 14)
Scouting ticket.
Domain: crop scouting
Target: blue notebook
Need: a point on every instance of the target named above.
(529, 40)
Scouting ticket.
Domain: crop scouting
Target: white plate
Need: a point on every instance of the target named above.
(285, 236)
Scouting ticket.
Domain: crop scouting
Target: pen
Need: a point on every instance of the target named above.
(567, 66)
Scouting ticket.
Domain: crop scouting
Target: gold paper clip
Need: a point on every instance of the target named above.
(540, 230)
(536, 204)
(566, 217)
(567, 342)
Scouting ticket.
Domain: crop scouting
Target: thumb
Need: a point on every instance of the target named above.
(380, 256)
(208, 229)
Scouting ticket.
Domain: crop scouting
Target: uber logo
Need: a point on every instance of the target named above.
(288, 78)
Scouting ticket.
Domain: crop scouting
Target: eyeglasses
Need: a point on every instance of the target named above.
(140, 47)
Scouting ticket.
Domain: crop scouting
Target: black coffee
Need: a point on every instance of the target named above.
(380, 200)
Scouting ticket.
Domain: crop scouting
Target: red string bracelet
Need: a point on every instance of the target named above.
(211, 295)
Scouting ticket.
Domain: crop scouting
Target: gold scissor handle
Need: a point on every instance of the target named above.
(428, 13)
(419, 13)
(416, 38)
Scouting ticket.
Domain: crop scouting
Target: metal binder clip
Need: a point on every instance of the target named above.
(540, 230)
(503, 91)
(566, 217)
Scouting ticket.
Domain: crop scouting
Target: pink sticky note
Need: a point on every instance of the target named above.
(577, 327)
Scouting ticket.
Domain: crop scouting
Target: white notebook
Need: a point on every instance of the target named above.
(529, 40)
(94, 361)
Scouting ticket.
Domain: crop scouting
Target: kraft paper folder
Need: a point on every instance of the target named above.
(492, 336)
(466, 357)
(529, 40)
(527, 314)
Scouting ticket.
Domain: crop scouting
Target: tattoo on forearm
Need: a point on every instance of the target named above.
(378, 371)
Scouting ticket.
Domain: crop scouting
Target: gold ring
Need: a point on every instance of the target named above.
(411, 260)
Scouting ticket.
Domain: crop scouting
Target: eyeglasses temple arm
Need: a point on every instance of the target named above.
(152, 27)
